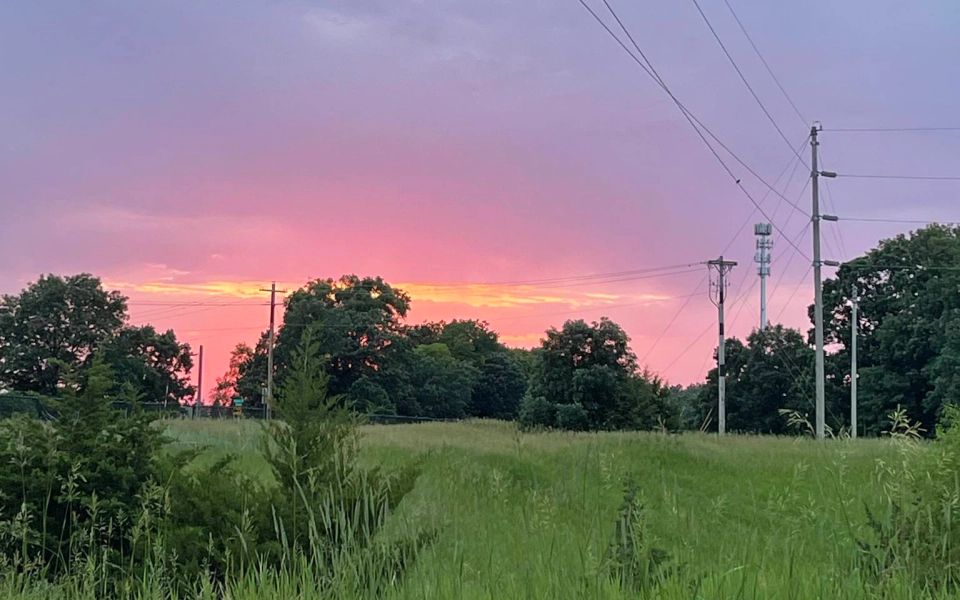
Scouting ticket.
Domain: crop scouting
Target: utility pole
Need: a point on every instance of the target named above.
(199, 395)
(723, 267)
(815, 217)
(854, 326)
(762, 258)
(273, 305)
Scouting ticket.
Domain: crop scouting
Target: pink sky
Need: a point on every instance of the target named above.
(193, 152)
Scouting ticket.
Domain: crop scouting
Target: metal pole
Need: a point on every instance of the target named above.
(721, 361)
(722, 267)
(273, 304)
(817, 283)
(763, 299)
(199, 397)
(854, 325)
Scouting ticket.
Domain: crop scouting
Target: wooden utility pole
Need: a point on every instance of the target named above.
(273, 305)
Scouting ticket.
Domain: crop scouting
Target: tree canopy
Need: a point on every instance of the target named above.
(587, 378)
(62, 324)
(909, 319)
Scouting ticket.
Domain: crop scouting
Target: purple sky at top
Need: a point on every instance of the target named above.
(454, 141)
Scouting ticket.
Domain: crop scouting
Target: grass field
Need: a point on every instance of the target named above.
(531, 515)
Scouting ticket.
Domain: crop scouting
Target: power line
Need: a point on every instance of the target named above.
(181, 304)
(835, 230)
(856, 265)
(744, 79)
(922, 177)
(677, 314)
(710, 326)
(887, 129)
(793, 161)
(765, 64)
(691, 118)
(785, 267)
(594, 308)
(585, 279)
(909, 221)
(794, 293)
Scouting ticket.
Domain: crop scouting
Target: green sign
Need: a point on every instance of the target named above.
(238, 401)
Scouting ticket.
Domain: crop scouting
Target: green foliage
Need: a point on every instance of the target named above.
(687, 406)
(498, 389)
(917, 531)
(593, 367)
(57, 326)
(537, 411)
(153, 363)
(368, 396)
(469, 340)
(84, 473)
(55, 322)
(327, 508)
(631, 557)
(443, 386)
(358, 328)
(572, 417)
(231, 384)
(907, 341)
(772, 373)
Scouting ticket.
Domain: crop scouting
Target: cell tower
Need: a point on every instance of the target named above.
(762, 258)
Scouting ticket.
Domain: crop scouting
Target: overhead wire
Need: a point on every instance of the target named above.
(908, 177)
(890, 129)
(793, 161)
(905, 221)
(765, 64)
(794, 293)
(672, 320)
(691, 118)
(743, 78)
(831, 206)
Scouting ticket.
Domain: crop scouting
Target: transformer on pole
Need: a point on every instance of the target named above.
(763, 231)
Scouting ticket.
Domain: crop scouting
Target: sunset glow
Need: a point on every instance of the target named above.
(191, 153)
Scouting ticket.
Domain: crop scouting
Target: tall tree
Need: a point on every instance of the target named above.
(470, 340)
(55, 322)
(154, 364)
(773, 371)
(586, 374)
(499, 388)
(908, 298)
(229, 384)
(358, 324)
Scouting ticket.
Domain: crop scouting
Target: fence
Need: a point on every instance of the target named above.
(11, 404)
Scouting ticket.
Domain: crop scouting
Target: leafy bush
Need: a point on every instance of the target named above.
(573, 417)
(75, 484)
(536, 411)
(325, 507)
(94, 492)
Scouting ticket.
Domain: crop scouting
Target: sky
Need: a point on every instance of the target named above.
(191, 152)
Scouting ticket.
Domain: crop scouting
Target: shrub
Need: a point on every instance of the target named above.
(631, 558)
(536, 411)
(325, 507)
(573, 417)
(76, 484)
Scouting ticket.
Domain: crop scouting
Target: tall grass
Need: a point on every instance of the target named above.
(535, 516)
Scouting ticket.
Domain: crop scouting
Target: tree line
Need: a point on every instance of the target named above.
(583, 376)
